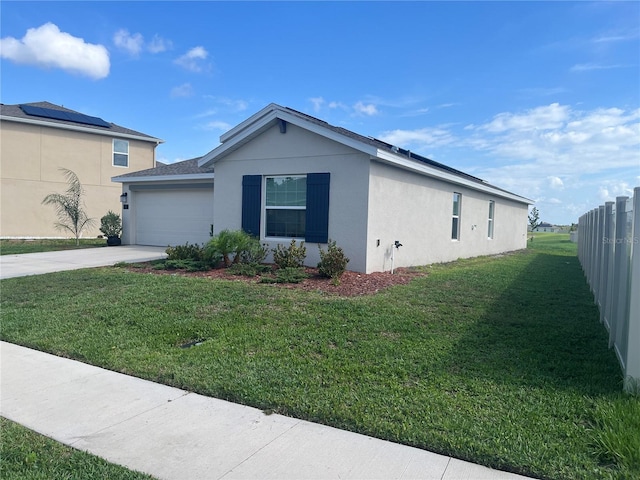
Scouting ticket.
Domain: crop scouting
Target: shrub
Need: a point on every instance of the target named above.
(290, 257)
(286, 275)
(333, 262)
(248, 269)
(111, 224)
(186, 264)
(255, 252)
(227, 243)
(185, 252)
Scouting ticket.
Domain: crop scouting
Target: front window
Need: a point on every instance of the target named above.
(285, 206)
(120, 153)
(492, 206)
(455, 222)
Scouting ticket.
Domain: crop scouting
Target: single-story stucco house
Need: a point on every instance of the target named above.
(282, 175)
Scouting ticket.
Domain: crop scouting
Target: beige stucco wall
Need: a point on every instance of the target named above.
(30, 159)
(417, 211)
(299, 151)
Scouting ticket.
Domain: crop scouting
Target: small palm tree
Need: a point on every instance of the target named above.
(69, 207)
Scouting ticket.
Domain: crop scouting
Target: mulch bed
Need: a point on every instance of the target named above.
(351, 283)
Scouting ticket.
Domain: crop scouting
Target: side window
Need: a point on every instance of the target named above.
(455, 221)
(492, 208)
(120, 153)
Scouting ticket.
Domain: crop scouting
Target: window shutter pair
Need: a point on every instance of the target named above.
(317, 212)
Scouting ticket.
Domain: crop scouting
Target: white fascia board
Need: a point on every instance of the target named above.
(251, 129)
(425, 169)
(163, 178)
(252, 119)
(78, 128)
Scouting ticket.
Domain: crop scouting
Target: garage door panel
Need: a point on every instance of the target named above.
(173, 217)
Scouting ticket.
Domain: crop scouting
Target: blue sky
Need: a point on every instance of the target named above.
(540, 98)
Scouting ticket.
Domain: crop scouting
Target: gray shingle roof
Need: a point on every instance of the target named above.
(186, 167)
(16, 111)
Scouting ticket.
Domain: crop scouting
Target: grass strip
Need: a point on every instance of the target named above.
(27, 455)
(497, 360)
(17, 247)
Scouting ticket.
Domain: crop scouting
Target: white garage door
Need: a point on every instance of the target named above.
(173, 217)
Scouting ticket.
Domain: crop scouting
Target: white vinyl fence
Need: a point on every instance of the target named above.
(609, 251)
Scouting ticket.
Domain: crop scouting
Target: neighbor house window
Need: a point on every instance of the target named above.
(285, 206)
(492, 207)
(455, 222)
(120, 153)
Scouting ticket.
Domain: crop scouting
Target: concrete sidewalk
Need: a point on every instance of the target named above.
(47, 262)
(173, 434)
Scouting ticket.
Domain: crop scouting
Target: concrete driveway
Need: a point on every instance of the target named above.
(47, 262)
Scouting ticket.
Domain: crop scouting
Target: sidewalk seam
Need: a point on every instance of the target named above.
(298, 422)
(113, 425)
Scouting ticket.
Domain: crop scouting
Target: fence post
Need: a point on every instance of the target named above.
(607, 266)
(620, 285)
(632, 373)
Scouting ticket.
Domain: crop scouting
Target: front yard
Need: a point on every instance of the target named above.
(500, 361)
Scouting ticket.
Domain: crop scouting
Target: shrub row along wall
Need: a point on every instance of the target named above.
(609, 251)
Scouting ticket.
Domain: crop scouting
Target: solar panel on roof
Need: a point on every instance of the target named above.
(62, 115)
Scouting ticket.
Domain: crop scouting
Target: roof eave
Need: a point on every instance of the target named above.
(427, 170)
(78, 128)
(163, 178)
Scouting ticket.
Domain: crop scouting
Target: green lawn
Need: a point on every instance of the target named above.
(501, 361)
(27, 455)
(15, 247)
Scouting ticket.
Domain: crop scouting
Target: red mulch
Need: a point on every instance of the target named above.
(351, 283)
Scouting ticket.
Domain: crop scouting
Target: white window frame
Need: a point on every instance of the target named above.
(266, 207)
(114, 152)
(455, 217)
(491, 219)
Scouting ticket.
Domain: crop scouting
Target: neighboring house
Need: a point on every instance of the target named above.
(283, 175)
(37, 140)
(547, 227)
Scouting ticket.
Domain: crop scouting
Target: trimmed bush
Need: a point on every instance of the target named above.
(255, 252)
(185, 252)
(333, 262)
(286, 275)
(290, 257)
(248, 269)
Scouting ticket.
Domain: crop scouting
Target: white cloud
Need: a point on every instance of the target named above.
(131, 43)
(134, 44)
(555, 183)
(218, 125)
(365, 109)
(540, 118)
(317, 102)
(612, 189)
(193, 60)
(421, 138)
(158, 44)
(334, 105)
(586, 67)
(48, 47)
(184, 90)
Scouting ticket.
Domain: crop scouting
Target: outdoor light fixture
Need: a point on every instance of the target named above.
(123, 198)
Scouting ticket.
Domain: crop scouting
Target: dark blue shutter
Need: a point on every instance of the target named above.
(317, 217)
(251, 205)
